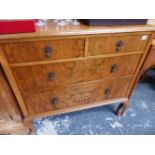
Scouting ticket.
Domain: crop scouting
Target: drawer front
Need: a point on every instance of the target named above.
(111, 67)
(43, 50)
(48, 75)
(75, 95)
(117, 44)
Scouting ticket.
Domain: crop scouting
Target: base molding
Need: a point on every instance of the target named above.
(77, 108)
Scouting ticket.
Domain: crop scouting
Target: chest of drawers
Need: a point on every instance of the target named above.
(61, 71)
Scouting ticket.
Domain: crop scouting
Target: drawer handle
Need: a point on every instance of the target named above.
(106, 91)
(47, 51)
(119, 46)
(113, 68)
(51, 76)
(54, 101)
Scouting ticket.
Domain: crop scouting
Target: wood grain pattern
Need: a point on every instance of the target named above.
(150, 60)
(88, 70)
(105, 45)
(70, 96)
(16, 128)
(12, 82)
(9, 109)
(102, 68)
(149, 63)
(139, 67)
(79, 107)
(73, 59)
(36, 77)
(11, 121)
(4, 114)
(34, 51)
(52, 30)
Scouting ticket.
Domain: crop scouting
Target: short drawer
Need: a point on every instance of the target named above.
(48, 75)
(117, 44)
(43, 50)
(114, 67)
(63, 97)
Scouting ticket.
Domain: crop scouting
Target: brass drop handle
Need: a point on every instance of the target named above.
(107, 91)
(54, 101)
(47, 51)
(113, 68)
(51, 76)
(119, 45)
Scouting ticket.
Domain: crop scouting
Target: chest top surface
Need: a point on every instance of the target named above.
(53, 30)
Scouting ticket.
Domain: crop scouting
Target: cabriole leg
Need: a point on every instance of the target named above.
(121, 108)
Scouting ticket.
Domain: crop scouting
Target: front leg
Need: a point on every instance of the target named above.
(29, 125)
(144, 75)
(121, 108)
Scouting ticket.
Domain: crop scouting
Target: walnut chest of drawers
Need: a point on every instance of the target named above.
(57, 70)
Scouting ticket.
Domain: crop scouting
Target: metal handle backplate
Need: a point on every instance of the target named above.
(47, 51)
(51, 76)
(54, 101)
(113, 68)
(106, 91)
(119, 46)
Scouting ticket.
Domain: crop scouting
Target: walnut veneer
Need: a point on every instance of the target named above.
(57, 70)
(11, 121)
(150, 60)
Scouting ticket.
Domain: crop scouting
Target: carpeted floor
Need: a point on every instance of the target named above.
(138, 119)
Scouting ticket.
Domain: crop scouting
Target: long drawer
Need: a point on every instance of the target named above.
(48, 75)
(62, 97)
(44, 50)
(117, 44)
